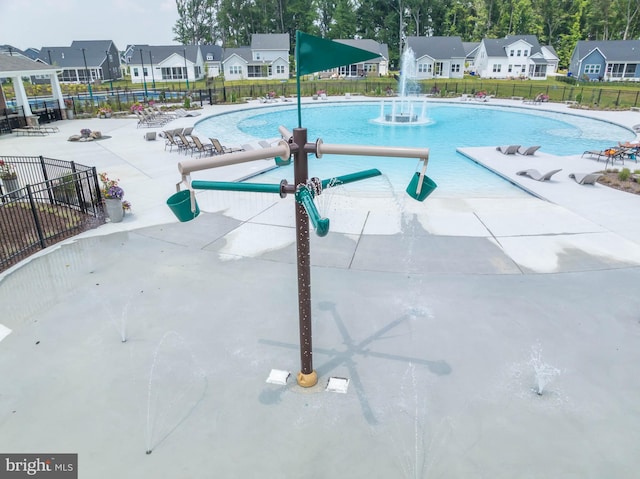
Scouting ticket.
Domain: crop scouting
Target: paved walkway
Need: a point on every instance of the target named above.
(437, 313)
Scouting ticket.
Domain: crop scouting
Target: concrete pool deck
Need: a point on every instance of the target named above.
(441, 314)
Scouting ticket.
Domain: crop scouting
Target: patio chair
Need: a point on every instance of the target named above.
(221, 150)
(586, 178)
(169, 140)
(530, 151)
(535, 174)
(187, 144)
(202, 148)
(508, 149)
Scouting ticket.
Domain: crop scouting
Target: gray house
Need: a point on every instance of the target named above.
(84, 61)
(613, 60)
(438, 57)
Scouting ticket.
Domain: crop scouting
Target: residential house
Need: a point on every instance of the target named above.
(212, 55)
(438, 57)
(84, 61)
(266, 58)
(613, 60)
(166, 63)
(28, 54)
(518, 56)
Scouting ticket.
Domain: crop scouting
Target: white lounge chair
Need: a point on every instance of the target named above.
(535, 174)
(586, 178)
(508, 149)
(530, 151)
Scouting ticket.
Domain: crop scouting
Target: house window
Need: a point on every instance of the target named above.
(135, 72)
(439, 68)
(519, 53)
(144, 72)
(497, 68)
(235, 70)
(424, 68)
(525, 53)
(173, 73)
(592, 69)
(254, 71)
(511, 53)
(209, 57)
(197, 71)
(455, 68)
(257, 55)
(510, 69)
(280, 69)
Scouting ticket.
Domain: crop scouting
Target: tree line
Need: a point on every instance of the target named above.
(559, 23)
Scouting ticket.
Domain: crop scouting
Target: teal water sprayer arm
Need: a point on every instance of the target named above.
(304, 196)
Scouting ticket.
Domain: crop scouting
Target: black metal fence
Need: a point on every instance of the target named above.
(49, 200)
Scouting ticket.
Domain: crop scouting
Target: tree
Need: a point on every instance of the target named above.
(344, 21)
(195, 22)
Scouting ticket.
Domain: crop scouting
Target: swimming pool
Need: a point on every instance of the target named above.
(452, 126)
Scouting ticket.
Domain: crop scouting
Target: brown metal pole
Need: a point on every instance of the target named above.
(307, 377)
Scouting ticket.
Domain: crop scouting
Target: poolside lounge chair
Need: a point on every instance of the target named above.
(508, 149)
(221, 150)
(586, 178)
(535, 174)
(530, 151)
(206, 149)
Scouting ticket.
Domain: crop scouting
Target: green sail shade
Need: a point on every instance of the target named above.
(314, 54)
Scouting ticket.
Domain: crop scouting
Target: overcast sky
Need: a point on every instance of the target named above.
(56, 23)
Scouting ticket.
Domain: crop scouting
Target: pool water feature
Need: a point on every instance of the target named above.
(453, 126)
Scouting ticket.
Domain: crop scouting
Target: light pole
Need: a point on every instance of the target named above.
(86, 73)
(153, 78)
(144, 80)
(109, 68)
(186, 72)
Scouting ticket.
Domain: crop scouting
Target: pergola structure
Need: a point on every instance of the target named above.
(16, 68)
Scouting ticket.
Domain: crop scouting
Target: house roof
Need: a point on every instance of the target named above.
(437, 47)
(160, 53)
(17, 64)
(72, 57)
(243, 52)
(215, 50)
(270, 41)
(369, 45)
(470, 47)
(497, 47)
(613, 50)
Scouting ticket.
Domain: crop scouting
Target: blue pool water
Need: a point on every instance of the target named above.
(451, 127)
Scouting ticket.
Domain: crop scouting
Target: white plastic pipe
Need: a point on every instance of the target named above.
(188, 166)
(395, 151)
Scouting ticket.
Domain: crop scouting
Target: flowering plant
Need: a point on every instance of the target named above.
(68, 102)
(85, 132)
(7, 171)
(111, 190)
(137, 106)
(104, 110)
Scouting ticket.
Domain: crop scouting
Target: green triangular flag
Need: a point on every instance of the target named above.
(314, 54)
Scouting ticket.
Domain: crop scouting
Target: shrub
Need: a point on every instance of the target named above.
(624, 174)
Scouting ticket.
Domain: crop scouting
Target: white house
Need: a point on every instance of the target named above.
(438, 57)
(266, 58)
(518, 56)
(167, 63)
(378, 66)
(212, 55)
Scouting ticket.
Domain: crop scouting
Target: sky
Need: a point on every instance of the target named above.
(56, 23)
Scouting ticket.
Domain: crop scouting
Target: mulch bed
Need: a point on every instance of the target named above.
(19, 235)
(610, 178)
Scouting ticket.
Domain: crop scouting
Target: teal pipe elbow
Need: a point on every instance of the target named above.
(305, 198)
(235, 186)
